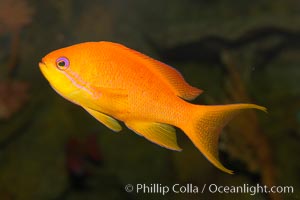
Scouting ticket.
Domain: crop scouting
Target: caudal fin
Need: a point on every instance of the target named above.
(206, 124)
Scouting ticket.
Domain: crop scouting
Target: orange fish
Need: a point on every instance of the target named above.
(113, 82)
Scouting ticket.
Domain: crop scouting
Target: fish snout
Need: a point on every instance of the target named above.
(43, 67)
(42, 63)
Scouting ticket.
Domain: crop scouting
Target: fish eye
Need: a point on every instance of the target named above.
(62, 63)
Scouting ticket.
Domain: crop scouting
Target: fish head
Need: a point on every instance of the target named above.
(67, 70)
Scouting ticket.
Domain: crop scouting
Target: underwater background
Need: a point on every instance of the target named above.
(237, 51)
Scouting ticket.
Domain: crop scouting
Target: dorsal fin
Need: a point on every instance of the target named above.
(166, 73)
(173, 78)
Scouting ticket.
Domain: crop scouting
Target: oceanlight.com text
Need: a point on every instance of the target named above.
(157, 188)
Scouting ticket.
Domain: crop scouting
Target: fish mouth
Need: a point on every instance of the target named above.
(43, 68)
(42, 64)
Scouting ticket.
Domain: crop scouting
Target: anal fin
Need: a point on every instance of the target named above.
(158, 133)
(105, 119)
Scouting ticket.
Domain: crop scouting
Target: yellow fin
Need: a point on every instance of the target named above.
(205, 126)
(158, 133)
(165, 72)
(105, 119)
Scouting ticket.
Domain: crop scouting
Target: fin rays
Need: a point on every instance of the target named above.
(158, 133)
(108, 121)
(205, 127)
(165, 72)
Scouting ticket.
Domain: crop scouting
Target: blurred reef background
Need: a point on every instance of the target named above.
(237, 51)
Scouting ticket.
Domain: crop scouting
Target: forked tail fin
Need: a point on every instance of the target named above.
(206, 124)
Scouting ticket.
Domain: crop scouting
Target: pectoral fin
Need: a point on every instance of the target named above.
(109, 100)
(105, 119)
(161, 134)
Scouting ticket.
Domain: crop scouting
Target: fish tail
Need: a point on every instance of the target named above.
(204, 126)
